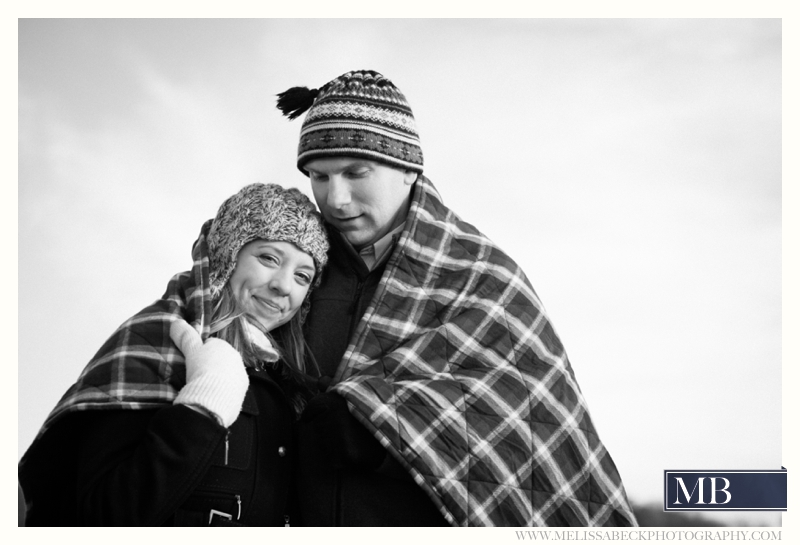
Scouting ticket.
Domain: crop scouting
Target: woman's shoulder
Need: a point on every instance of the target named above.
(145, 331)
(135, 367)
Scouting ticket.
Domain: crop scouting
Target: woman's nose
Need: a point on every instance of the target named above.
(280, 283)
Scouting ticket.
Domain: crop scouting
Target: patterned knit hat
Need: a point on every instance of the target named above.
(359, 114)
(269, 212)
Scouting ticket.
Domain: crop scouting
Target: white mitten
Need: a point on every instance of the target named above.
(216, 379)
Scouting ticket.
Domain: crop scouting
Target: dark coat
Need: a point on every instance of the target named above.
(116, 451)
(345, 477)
(165, 466)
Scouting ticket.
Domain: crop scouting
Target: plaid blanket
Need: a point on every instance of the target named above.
(458, 372)
(139, 366)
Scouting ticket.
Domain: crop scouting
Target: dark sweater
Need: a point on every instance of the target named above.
(351, 496)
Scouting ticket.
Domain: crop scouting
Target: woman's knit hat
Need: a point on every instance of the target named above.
(269, 212)
(359, 114)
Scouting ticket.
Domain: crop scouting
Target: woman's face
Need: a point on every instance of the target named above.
(271, 280)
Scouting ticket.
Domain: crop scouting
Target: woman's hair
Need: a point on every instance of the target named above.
(228, 323)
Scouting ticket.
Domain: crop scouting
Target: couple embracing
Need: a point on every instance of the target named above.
(378, 362)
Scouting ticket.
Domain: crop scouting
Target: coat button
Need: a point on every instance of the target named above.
(281, 451)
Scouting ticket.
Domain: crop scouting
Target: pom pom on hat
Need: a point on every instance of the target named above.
(295, 101)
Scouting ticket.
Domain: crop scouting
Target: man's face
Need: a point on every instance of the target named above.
(363, 199)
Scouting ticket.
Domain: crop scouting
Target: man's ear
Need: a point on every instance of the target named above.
(409, 177)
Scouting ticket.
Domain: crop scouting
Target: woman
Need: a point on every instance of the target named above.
(185, 416)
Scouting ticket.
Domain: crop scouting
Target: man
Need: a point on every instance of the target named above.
(448, 397)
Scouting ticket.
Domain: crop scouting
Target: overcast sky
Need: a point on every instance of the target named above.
(631, 167)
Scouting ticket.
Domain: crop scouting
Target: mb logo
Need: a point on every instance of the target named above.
(707, 489)
(735, 490)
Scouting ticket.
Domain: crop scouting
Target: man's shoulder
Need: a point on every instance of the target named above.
(437, 221)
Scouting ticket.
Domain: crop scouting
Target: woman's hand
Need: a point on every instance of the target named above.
(216, 379)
